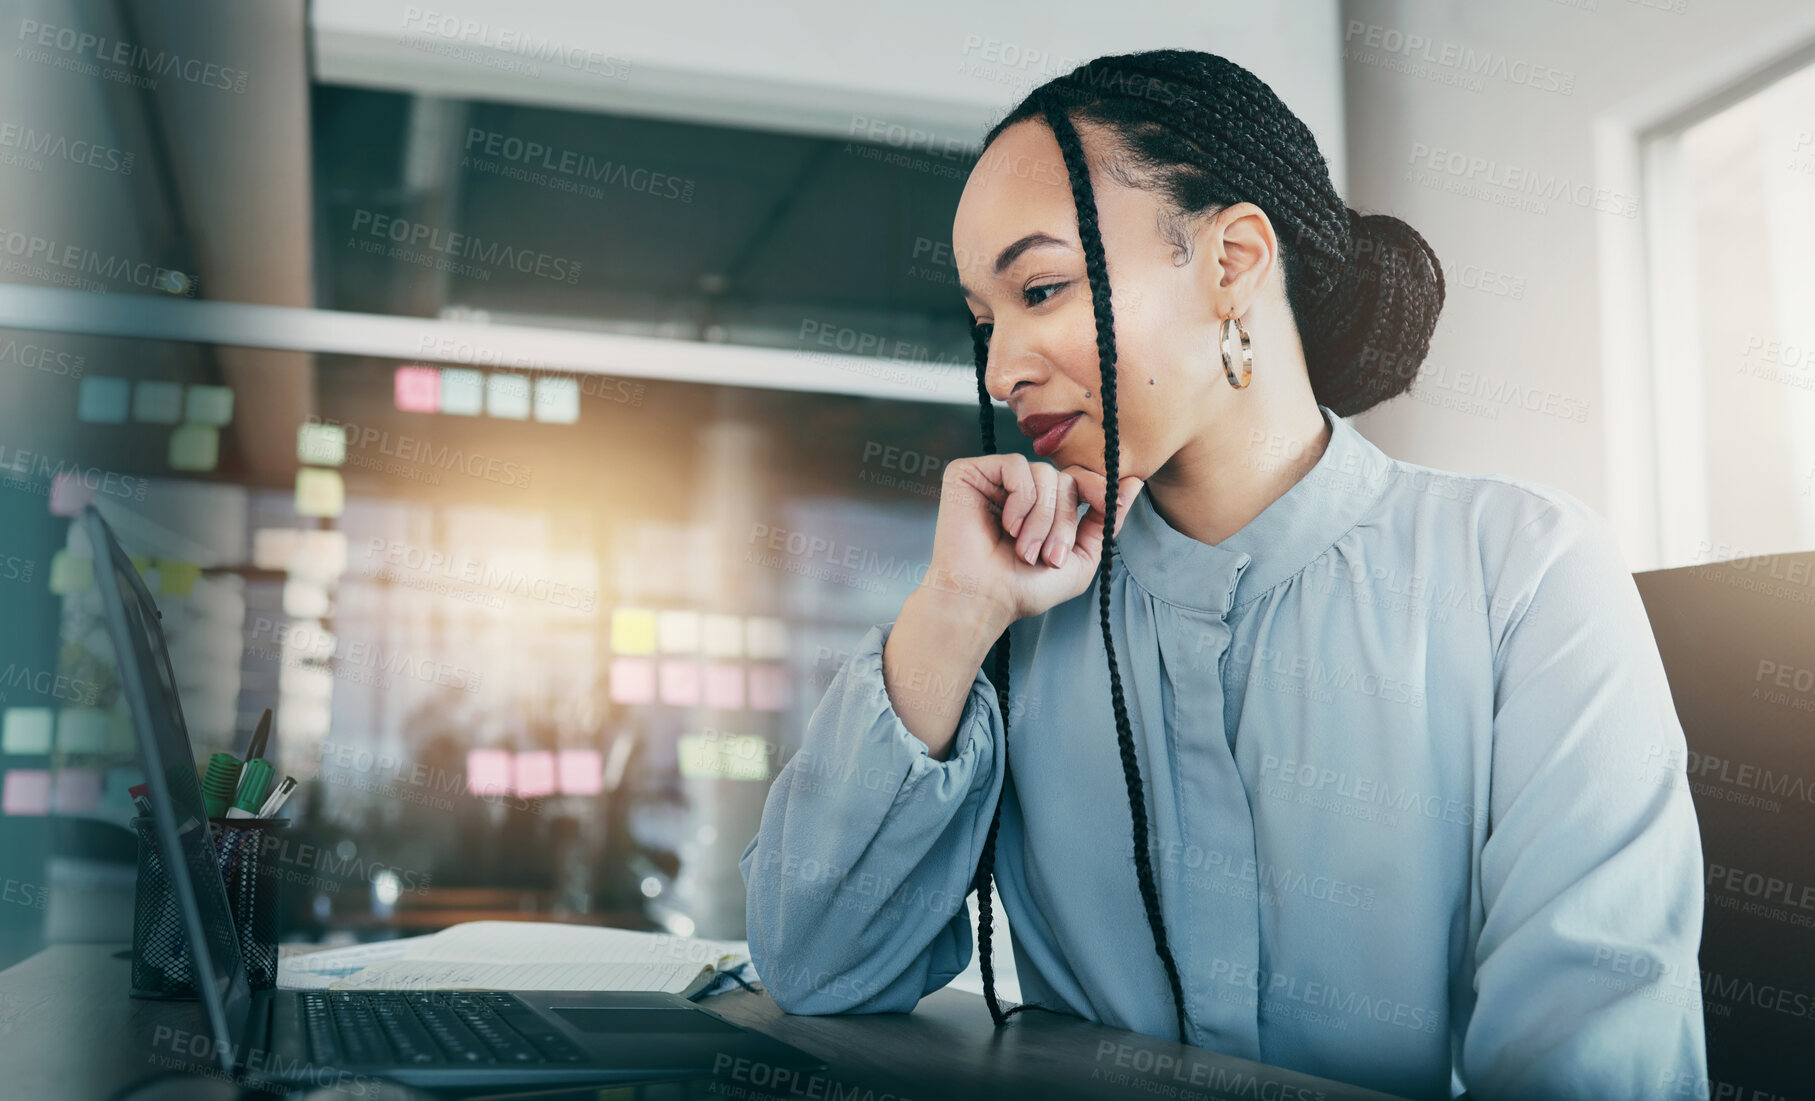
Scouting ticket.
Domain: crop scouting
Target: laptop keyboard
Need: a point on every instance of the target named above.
(426, 1028)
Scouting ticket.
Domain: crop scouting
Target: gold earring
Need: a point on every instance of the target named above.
(1247, 353)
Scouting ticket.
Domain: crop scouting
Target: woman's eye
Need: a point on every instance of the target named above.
(1029, 294)
(985, 329)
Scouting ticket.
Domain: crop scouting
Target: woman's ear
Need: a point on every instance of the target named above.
(1241, 246)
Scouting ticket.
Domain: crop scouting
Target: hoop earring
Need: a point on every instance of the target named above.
(1247, 353)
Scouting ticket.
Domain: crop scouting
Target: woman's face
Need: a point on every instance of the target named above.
(1042, 336)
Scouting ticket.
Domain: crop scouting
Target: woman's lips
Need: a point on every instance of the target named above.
(1048, 441)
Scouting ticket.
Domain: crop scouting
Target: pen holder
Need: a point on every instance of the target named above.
(161, 966)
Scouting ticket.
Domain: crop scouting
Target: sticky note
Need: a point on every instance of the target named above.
(558, 400)
(462, 391)
(724, 685)
(766, 637)
(680, 683)
(507, 396)
(195, 447)
(103, 400)
(69, 494)
(82, 730)
(26, 730)
(678, 632)
(26, 791)
(535, 773)
(632, 680)
(321, 444)
(488, 771)
(417, 389)
(724, 636)
(769, 688)
(211, 405)
(319, 492)
(157, 402)
(76, 790)
(580, 771)
(69, 574)
(177, 578)
(273, 548)
(632, 631)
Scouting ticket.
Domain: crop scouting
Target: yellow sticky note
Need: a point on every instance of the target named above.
(69, 574)
(177, 578)
(633, 631)
(319, 492)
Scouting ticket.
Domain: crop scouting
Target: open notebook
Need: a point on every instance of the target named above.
(525, 955)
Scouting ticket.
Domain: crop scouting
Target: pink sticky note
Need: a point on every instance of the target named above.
(27, 791)
(680, 683)
(69, 494)
(76, 790)
(724, 685)
(632, 680)
(581, 771)
(535, 773)
(769, 687)
(417, 389)
(488, 771)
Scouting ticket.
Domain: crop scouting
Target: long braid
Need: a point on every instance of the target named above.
(986, 867)
(1097, 266)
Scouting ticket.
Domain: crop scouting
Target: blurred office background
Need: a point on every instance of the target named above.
(532, 403)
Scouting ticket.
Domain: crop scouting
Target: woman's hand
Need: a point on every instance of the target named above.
(1009, 544)
(1009, 532)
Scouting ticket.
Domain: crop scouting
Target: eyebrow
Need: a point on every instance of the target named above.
(1013, 252)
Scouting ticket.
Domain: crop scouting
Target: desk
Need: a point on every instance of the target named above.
(68, 1030)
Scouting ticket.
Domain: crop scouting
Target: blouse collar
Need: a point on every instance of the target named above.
(1288, 535)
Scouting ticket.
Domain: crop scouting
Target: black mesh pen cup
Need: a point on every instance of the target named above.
(161, 966)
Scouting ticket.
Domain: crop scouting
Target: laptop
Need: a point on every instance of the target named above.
(421, 1038)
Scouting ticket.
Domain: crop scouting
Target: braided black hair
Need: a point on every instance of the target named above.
(1365, 290)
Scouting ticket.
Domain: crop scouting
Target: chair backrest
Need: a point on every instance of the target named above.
(1738, 643)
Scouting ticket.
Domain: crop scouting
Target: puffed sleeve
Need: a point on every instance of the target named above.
(857, 876)
(1586, 980)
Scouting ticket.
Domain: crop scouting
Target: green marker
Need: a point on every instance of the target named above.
(254, 785)
(220, 782)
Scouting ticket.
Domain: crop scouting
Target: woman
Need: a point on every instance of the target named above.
(1376, 805)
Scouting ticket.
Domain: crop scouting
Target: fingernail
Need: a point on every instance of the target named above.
(1059, 559)
(1032, 554)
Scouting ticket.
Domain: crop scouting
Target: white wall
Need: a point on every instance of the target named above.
(1545, 355)
(948, 67)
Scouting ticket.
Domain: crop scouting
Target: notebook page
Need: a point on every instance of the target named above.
(555, 942)
(675, 978)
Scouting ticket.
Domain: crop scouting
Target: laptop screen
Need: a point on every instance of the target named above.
(181, 819)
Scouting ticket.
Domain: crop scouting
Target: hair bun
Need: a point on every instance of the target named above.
(1376, 325)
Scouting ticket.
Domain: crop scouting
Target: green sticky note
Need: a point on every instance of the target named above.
(195, 447)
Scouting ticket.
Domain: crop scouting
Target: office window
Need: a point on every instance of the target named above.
(1731, 231)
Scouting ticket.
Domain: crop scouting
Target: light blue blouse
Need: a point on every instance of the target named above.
(1413, 775)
